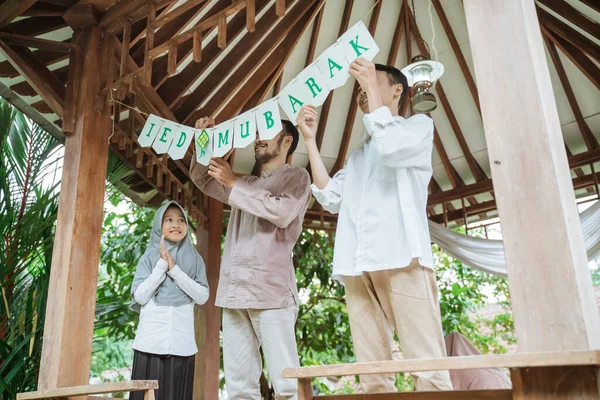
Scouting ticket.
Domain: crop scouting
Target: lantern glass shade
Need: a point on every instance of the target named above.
(421, 73)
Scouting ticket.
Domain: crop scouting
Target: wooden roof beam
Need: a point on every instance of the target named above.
(464, 67)
(113, 18)
(395, 46)
(588, 137)
(43, 10)
(406, 9)
(37, 43)
(35, 26)
(170, 27)
(173, 88)
(577, 57)
(287, 32)
(593, 4)
(327, 105)
(343, 151)
(46, 57)
(205, 24)
(485, 186)
(571, 35)
(45, 83)
(186, 108)
(571, 14)
(11, 9)
(314, 37)
(474, 167)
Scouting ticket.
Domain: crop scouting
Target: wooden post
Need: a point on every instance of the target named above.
(208, 317)
(550, 284)
(68, 329)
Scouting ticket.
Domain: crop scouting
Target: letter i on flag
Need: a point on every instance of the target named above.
(244, 129)
(358, 42)
(268, 120)
(222, 138)
(204, 145)
(181, 141)
(150, 130)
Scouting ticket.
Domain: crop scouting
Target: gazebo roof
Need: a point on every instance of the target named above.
(239, 70)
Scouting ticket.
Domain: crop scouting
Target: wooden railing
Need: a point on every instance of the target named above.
(113, 387)
(526, 361)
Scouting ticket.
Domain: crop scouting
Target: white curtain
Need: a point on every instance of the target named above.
(488, 255)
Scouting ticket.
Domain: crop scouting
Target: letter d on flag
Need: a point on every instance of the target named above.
(181, 141)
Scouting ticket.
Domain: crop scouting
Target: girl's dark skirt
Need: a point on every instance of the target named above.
(175, 375)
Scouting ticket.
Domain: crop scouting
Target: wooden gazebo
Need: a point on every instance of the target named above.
(89, 70)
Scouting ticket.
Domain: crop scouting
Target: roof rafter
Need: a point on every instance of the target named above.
(571, 35)
(352, 109)
(581, 61)
(173, 88)
(287, 32)
(45, 83)
(588, 137)
(327, 105)
(464, 67)
(11, 9)
(570, 13)
(474, 166)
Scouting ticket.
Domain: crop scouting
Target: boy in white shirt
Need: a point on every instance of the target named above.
(382, 250)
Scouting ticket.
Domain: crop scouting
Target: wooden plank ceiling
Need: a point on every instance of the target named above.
(186, 59)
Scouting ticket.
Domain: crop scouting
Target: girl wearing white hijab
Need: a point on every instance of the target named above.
(169, 279)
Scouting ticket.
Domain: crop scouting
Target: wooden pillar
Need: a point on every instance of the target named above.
(550, 284)
(68, 329)
(208, 317)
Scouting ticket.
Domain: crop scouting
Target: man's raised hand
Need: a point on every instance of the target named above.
(222, 172)
(205, 122)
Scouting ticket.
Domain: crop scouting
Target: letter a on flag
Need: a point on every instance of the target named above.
(244, 130)
(334, 67)
(268, 119)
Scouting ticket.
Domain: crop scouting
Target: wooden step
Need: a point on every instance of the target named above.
(454, 395)
(516, 360)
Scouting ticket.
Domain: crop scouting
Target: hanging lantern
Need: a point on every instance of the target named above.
(422, 74)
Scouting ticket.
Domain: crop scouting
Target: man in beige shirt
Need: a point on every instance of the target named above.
(257, 285)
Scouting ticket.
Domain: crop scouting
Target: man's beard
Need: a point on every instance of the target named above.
(263, 158)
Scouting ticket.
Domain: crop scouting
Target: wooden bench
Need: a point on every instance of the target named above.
(561, 368)
(113, 387)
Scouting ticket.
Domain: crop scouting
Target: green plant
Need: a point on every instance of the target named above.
(29, 163)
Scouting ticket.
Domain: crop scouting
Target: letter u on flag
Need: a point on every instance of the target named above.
(244, 129)
(150, 130)
(222, 138)
(358, 42)
(268, 119)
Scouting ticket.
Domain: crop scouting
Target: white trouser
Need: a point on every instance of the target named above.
(244, 332)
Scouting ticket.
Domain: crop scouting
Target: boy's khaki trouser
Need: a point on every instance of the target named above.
(404, 299)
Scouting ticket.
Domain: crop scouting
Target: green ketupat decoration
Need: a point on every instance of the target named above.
(203, 139)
